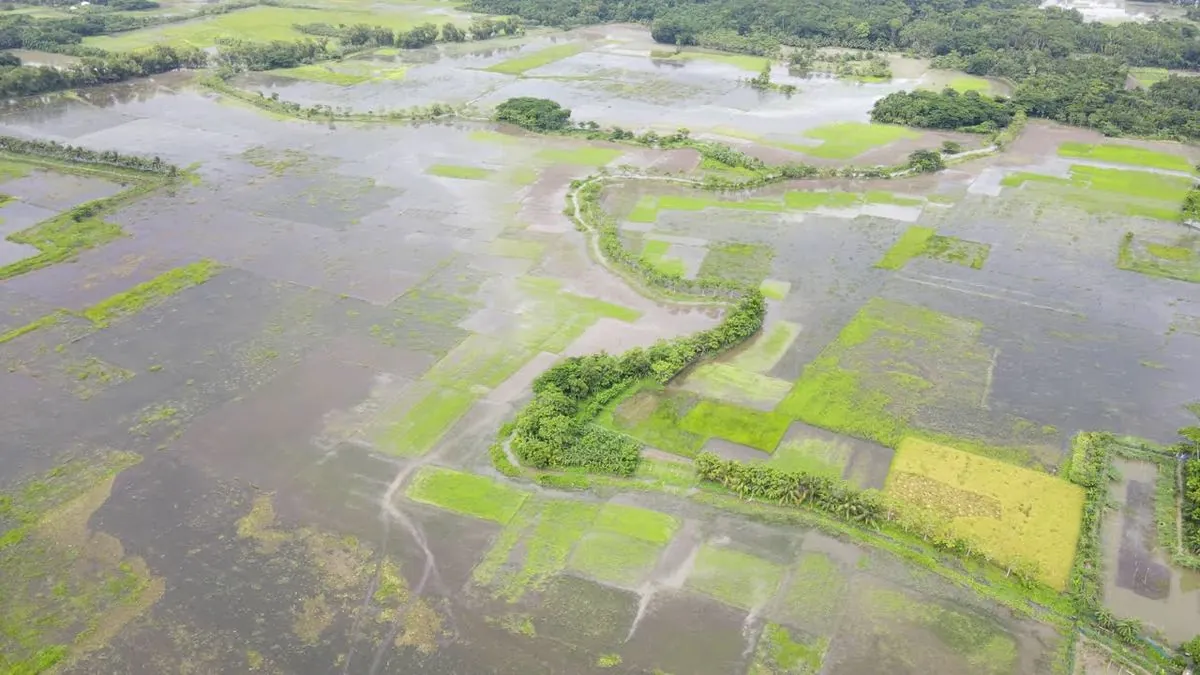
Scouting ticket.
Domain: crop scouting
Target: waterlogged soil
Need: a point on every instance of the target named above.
(1140, 581)
(280, 409)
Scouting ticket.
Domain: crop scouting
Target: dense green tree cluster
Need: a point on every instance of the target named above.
(71, 153)
(1083, 91)
(18, 80)
(945, 110)
(535, 114)
(926, 161)
(930, 27)
(556, 431)
(237, 55)
(1191, 488)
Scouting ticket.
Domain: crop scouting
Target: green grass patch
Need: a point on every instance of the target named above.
(1179, 261)
(150, 293)
(459, 171)
(529, 61)
(815, 596)
(260, 24)
(645, 211)
(812, 456)
(767, 348)
(885, 197)
(964, 83)
(701, 202)
(746, 62)
(652, 415)
(910, 245)
(1131, 155)
(957, 251)
(746, 263)
(1104, 191)
(726, 382)
(614, 558)
(757, 429)
(654, 253)
(733, 577)
(426, 422)
(322, 74)
(581, 156)
(10, 170)
(844, 140)
(1148, 76)
(829, 199)
(779, 653)
(466, 493)
(775, 290)
(642, 524)
(534, 546)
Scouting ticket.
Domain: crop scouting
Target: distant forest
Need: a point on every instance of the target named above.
(1065, 68)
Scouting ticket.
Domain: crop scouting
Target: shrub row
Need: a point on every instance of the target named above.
(80, 155)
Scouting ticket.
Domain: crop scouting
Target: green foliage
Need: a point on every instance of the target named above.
(1190, 446)
(150, 293)
(926, 161)
(793, 488)
(81, 155)
(535, 114)
(532, 60)
(234, 55)
(911, 244)
(942, 110)
(555, 429)
(1191, 649)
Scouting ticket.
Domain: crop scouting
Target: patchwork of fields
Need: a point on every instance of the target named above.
(253, 410)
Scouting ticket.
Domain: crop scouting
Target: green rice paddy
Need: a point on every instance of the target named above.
(466, 493)
(747, 263)
(735, 578)
(623, 544)
(1148, 76)
(318, 73)
(757, 429)
(767, 348)
(812, 456)
(652, 415)
(535, 546)
(1102, 191)
(911, 244)
(775, 290)
(458, 171)
(965, 83)
(746, 62)
(529, 61)
(654, 253)
(579, 156)
(724, 381)
(426, 422)
(1131, 155)
(845, 140)
(1180, 261)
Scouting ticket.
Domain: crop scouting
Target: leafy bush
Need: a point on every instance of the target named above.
(926, 161)
(535, 114)
(1191, 488)
(793, 488)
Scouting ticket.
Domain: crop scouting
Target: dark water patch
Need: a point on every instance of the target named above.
(584, 613)
(18, 309)
(18, 215)
(731, 450)
(1137, 570)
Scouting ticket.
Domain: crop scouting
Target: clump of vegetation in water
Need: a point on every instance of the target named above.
(535, 114)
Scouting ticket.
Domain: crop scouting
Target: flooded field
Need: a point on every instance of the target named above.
(256, 440)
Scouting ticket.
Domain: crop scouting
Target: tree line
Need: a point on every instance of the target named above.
(81, 155)
(1083, 93)
(21, 80)
(422, 35)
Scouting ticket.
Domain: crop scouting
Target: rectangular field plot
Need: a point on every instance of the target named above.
(733, 577)
(1109, 191)
(711, 419)
(623, 544)
(1018, 516)
(1131, 155)
(1179, 260)
(899, 370)
(918, 241)
(652, 415)
(466, 493)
